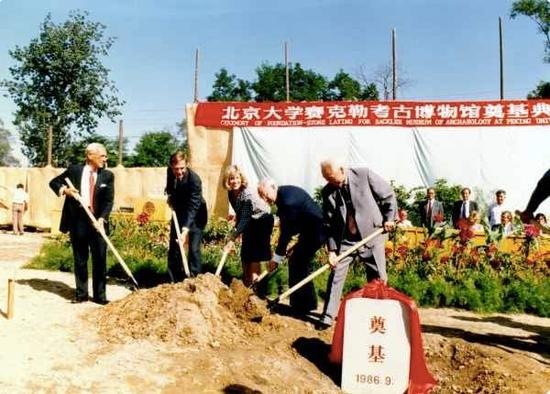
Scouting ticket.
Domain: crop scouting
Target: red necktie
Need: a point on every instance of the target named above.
(92, 191)
(429, 211)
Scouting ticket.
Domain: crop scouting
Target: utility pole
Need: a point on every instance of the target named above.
(50, 143)
(196, 90)
(287, 74)
(394, 65)
(120, 141)
(501, 58)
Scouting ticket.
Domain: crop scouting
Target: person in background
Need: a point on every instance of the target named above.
(184, 190)
(473, 221)
(430, 210)
(506, 223)
(253, 221)
(495, 209)
(403, 220)
(540, 218)
(19, 206)
(463, 207)
(97, 191)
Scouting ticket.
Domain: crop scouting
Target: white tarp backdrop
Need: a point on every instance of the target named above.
(483, 158)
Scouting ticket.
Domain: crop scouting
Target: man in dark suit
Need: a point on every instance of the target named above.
(356, 201)
(298, 215)
(96, 185)
(430, 210)
(462, 208)
(184, 190)
(539, 194)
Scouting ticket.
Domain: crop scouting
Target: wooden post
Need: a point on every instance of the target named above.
(196, 93)
(287, 74)
(11, 289)
(120, 141)
(50, 143)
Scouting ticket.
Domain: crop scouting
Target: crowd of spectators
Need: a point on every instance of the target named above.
(465, 212)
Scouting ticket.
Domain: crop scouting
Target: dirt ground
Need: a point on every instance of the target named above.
(201, 336)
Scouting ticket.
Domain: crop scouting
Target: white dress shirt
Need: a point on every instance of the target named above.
(85, 184)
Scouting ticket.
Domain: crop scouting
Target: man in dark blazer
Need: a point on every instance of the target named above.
(463, 208)
(299, 215)
(95, 184)
(539, 194)
(430, 210)
(356, 202)
(184, 190)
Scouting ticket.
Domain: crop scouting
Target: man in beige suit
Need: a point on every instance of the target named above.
(356, 201)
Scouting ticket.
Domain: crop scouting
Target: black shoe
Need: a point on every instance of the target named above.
(302, 309)
(79, 299)
(101, 301)
(322, 326)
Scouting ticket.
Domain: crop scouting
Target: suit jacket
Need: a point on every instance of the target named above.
(372, 198)
(540, 193)
(437, 209)
(103, 197)
(457, 208)
(298, 214)
(185, 197)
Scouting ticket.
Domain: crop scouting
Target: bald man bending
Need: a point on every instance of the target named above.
(356, 201)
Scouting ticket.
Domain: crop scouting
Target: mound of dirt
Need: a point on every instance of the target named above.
(197, 311)
(225, 338)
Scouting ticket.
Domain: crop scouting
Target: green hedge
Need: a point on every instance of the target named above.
(453, 274)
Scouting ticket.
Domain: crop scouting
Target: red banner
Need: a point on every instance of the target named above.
(374, 113)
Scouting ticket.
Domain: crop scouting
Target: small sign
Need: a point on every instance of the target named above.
(376, 354)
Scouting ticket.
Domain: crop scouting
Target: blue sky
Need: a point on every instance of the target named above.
(448, 49)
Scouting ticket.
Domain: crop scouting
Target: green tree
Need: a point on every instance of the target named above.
(6, 157)
(541, 91)
(345, 87)
(76, 154)
(539, 12)
(305, 85)
(229, 88)
(59, 80)
(154, 149)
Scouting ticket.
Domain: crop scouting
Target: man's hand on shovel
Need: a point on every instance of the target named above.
(100, 225)
(332, 259)
(184, 236)
(389, 226)
(71, 191)
(229, 247)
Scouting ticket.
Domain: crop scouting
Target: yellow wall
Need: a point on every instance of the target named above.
(132, 187)
(210, 151)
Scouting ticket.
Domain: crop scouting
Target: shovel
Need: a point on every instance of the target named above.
(325, 267)
(102, 233)
(222, 262)
(179, 236)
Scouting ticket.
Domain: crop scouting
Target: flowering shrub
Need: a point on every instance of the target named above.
(449, 269)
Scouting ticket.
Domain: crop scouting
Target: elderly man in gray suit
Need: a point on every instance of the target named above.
(356, 201)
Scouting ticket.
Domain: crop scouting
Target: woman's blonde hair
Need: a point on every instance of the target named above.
(234, 170)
